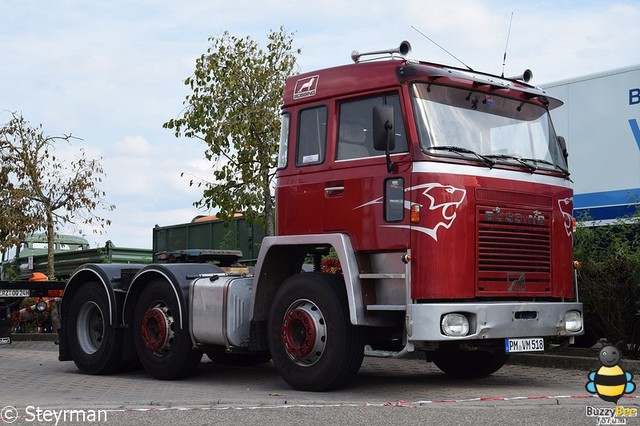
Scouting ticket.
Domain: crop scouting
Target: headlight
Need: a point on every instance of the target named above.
(455, 325)
(573, 321)
(41, 306)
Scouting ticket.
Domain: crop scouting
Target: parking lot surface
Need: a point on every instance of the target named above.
(33, 378)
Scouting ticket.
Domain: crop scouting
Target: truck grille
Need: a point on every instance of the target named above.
(513, 251)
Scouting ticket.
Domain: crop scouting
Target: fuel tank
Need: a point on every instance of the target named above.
(219, 313)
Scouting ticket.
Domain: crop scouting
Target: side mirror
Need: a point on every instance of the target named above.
(383, 133)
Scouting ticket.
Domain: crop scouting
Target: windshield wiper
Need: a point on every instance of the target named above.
(520, 161)
(460, 150)
(539, 160)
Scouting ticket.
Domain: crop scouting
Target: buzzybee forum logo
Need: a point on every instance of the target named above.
(610, 382)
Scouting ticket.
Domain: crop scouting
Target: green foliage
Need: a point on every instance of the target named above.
(609, 280)
(234, 108)
(230, 239)
(42, 191)
(9, 272)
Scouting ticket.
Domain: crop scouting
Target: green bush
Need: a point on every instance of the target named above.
(609, 280)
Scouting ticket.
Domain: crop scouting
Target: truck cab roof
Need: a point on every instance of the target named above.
(345, 80)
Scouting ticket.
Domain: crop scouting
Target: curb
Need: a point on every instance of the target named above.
(569, 362)
(581, 359)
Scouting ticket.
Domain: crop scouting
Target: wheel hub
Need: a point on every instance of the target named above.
(90, 328)
(303, 333)
(157, 332)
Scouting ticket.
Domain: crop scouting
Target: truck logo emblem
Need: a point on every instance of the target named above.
(566, 208)
(306, 87)
(519, 284)
(442, 205)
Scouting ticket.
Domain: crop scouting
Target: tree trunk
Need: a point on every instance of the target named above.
(50, 245)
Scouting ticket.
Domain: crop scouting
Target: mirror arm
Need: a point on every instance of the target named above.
(391, 167)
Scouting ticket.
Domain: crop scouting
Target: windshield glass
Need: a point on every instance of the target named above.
(455, 122)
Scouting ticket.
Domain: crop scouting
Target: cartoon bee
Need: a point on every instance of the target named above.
(610, 382)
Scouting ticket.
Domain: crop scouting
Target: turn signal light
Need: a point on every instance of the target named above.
(415, 213)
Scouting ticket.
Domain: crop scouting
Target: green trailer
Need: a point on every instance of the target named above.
(70, 252)
(210, 233)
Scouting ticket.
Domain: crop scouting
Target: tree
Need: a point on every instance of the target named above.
(235, 108)
(42, 191)
(15, 216)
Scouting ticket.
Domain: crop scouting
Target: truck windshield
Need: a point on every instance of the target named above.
(486, 128)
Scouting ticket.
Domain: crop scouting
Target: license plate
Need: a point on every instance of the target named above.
(10, 292)
(5, 340)
(524, 345)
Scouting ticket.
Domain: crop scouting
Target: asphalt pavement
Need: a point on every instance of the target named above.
(385, 392)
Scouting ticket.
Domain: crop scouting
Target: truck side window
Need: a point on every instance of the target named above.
(355, 136)
(284, 141)
(312, 136)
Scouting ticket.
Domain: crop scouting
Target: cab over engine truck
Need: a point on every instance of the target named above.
(445, 196)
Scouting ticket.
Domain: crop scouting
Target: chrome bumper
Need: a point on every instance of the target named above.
(492, 320)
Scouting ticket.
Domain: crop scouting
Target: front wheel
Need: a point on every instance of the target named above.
(95, 345)
(164, 349)
(313, 344)
(469, 364)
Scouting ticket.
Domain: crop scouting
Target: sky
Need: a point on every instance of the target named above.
(112, 72)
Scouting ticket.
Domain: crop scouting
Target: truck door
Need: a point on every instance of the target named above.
(361, 198)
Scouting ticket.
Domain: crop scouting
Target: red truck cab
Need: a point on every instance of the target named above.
(475, 220)
(453, 191)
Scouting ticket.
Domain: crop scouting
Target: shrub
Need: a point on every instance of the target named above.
(609, 280)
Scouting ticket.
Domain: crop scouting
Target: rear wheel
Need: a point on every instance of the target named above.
(469, 364)
(164, 349)
(94, 345)
(313, 344)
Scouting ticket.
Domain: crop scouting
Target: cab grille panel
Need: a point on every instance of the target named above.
(513, 250)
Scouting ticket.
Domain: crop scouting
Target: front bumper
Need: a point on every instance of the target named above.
(492, 320)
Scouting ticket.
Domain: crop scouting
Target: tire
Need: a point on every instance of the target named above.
(164, 350)
(469, 364)
(94, 345)
(220, 356)
(313, 344)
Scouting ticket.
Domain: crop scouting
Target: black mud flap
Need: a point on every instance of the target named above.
(5, 324)
(63, 348)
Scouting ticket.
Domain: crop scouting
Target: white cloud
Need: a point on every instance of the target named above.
(133, 146)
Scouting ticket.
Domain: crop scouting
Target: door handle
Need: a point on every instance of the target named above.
(334, 188)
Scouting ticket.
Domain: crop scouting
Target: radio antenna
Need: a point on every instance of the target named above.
(504, 57)
(449, 53)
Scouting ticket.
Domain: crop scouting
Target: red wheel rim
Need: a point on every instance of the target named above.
(156, 329)
(303, 332)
